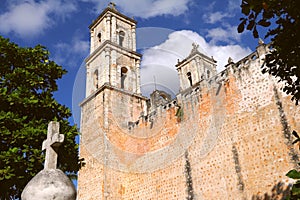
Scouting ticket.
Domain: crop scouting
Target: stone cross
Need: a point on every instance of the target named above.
(112, 5)
(195, 47)
(51, 144)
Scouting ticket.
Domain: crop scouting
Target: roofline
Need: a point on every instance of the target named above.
(108, 9)
(192, 55)
(110, 87)
(107, 43)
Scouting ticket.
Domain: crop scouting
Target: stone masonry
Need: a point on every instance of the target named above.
(50, 183)
(225, 136)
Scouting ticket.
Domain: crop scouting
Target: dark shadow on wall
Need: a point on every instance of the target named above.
(279, 192)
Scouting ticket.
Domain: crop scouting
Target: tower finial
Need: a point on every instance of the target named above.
(260, 41)
(112, 5)
(195, 47)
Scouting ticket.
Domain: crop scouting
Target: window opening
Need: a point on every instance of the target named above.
(208, 74)
(254, 57)
(99, 37)
(123, 76)
(121, 38)
(189, 75)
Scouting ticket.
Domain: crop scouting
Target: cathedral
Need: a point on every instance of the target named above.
(226, 135)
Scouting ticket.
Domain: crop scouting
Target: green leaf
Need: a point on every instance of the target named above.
(296, 141)
(251, 25)
(264, 23)
(241, 26)
(14, 150)
(255, 33)
(295, 134)
(295, 190)
(294, 174)
(245, 9)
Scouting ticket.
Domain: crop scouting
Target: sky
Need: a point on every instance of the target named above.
(166, 30)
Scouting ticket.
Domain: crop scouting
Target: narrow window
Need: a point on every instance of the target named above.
(123, 76)
(121, 38)
(208, 74)
(95, 78)
(99, 37)
(189, 75)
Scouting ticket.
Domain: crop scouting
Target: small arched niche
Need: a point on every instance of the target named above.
(124, 71)
(208, 74)
(99, 37)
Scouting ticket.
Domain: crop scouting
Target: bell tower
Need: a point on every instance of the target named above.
(113, 100)
(113, 59)
(195, 68)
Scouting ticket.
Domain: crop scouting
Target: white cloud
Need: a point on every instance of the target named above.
(214, 17)
(146, 8)
(28, 18)
(228, 34)
(68, 54)
(234, 5)
(159, 61)
(231, 10)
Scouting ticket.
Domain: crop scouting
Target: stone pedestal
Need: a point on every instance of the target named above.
(49, 184)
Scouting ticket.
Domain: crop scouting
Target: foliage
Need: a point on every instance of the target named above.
(282, 20)
(294, 174)
(179, 114)
(27, 82)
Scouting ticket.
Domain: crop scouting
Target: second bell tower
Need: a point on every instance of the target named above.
(113, 58)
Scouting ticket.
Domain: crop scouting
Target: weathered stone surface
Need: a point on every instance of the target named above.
(51, 144)
(49, 184)
(225, 136)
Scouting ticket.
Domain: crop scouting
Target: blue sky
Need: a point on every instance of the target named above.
(165, 30)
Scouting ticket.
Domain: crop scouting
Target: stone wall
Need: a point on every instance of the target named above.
(224, 138)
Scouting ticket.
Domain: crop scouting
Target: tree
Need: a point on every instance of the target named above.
(282, 18)
(27, 82)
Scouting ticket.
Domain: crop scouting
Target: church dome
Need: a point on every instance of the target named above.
(49, 184)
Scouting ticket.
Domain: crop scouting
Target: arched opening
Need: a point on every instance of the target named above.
(123, 76)
(254, 57)
(208, 74)
(121, 38)
(95, 79)
(99, 37)
(189, 76)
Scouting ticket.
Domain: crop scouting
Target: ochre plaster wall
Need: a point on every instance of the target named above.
(231, 142)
